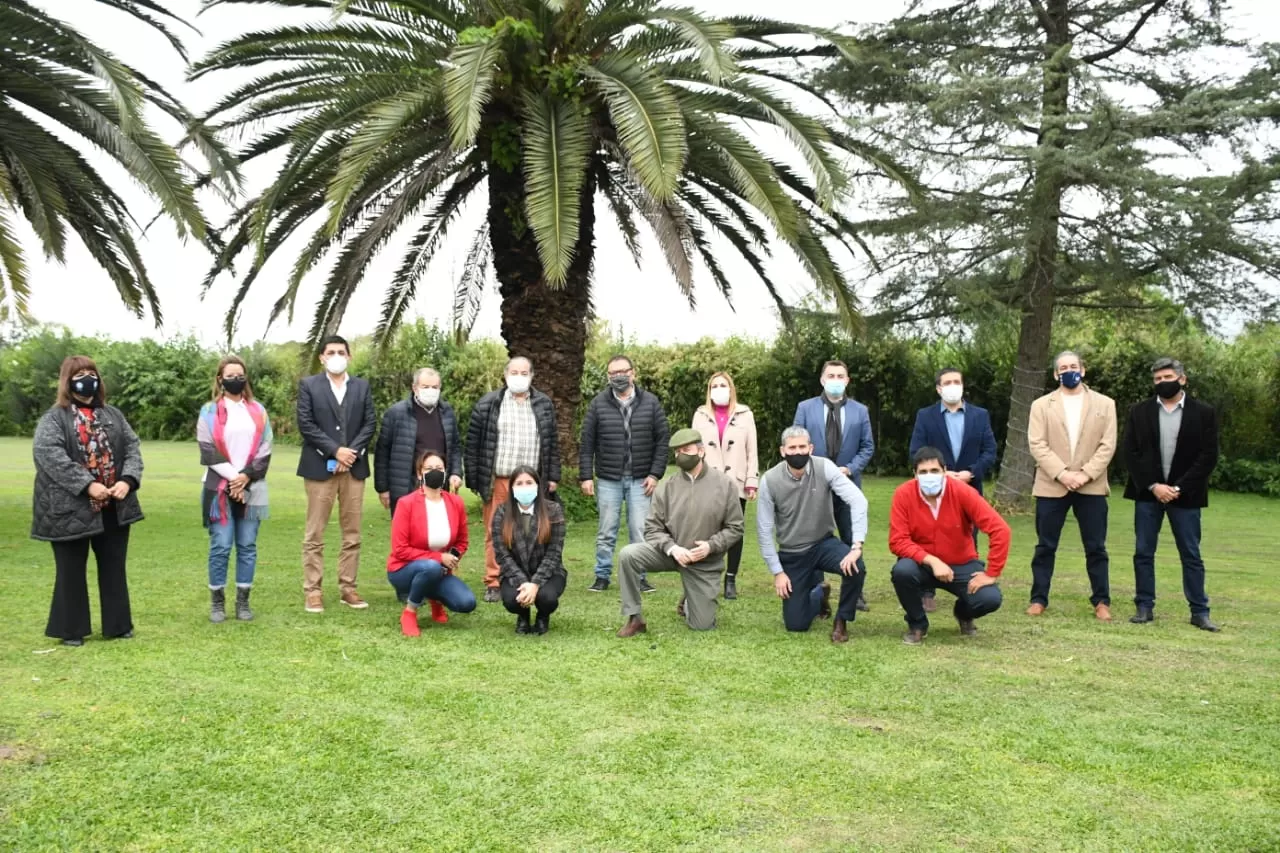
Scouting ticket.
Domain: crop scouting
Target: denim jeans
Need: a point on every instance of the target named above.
(806, 570)
(243, 534)
(610, 496)
(1091, 516)
(911, 578)
(1148, 517)
(424, 580)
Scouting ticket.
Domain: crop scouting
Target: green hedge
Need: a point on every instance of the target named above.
(162, 384)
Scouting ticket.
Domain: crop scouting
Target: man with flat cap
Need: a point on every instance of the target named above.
(694, 519)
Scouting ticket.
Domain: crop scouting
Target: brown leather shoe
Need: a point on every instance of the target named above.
(635, 625)
(680, 609)
(315, 602)
(353, 600)
(929, 603)
(967, 627)
(824, 610)
(1035, 609)
(914, 637)
(1103, 612)
(840, 632)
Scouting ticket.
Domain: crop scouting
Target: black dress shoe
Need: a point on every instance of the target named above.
(862, 606)
(1202, 622)
(824, 609)
(730, 587)
(542, 624)
(75, 643)
(1144, 614)
(645, 586)
(600, 585)
(522, 623)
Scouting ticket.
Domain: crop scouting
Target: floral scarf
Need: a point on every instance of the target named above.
(95, 446)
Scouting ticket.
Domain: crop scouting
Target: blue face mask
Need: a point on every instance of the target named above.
(835, 387)
(930, 484)
(524, 495)
(1070, 378)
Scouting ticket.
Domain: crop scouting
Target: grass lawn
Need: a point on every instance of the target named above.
(332, 732)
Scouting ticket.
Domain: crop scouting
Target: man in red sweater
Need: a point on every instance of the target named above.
(931, 533)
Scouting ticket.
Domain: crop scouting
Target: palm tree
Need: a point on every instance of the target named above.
(394, 113)
(57, 90)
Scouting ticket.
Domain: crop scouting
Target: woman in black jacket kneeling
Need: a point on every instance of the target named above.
(528, 542)
(88, 470)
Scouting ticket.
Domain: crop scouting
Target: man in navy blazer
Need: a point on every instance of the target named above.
(962, 431)
(840, 429)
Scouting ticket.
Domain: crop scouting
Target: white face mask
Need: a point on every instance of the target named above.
(518, 384)
(336, 364)
(428, 396)
(952, 394)
(720, 396)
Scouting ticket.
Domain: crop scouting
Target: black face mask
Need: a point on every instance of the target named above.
(234, 384)
(1168, 389)
(85, 386)
(433, 479)
(797, 460)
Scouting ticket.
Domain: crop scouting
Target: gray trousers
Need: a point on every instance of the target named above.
(701, 582)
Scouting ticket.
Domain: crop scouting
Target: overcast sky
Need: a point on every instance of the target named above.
(644, 303)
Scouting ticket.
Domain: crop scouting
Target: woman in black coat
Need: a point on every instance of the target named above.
(528, 542)
(88, 470)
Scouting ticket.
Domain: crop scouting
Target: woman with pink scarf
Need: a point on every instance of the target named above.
(729, 435)
(234, 433)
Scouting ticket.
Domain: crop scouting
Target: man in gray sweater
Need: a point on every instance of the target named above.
(794, 502)
(694, 519)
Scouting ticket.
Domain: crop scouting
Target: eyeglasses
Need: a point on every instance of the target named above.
(613, 373)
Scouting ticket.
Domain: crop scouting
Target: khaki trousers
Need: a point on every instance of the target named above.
(501, 491)
(321, 495)
(701, 582)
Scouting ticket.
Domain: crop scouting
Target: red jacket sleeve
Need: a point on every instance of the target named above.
(461, 538)
(990, 523)
(900, 542)
(409, 533)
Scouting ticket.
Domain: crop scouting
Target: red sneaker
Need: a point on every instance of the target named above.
(409, 623)
(438, 613)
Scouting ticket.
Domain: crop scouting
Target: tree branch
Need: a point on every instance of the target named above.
(1128, 39)
(1042, 15)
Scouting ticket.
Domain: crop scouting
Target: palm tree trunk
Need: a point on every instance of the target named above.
(1037, 285)
(549, 326)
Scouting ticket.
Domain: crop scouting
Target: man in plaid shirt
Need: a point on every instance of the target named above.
(510, 427)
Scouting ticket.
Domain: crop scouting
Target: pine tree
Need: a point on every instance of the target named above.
(1091, 153)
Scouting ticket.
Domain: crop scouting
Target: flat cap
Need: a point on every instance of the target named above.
(688, 435)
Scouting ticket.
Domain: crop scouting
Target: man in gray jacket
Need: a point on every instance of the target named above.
(794, 503)
(694, 519)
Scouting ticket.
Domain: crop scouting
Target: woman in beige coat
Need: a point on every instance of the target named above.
(729, 434)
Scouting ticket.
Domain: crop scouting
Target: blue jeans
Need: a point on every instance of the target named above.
(910, 579)
(424, 580)
(1148, 517)
(610, 496)
(243, 534)
(806, 570)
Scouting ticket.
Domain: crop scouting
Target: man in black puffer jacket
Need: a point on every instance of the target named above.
(624, 440)
(409, 428)
(510, 427)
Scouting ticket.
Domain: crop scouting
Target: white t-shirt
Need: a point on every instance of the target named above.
(1073, 405)
(238, 436)
(439, 533)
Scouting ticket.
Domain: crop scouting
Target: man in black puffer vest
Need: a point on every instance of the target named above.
(624, 441)
(409, 428)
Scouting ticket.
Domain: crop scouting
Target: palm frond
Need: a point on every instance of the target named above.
(647, 116)
(557, 143)
(467, 85)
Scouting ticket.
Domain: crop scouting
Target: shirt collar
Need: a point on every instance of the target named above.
(943, 407)
(1181, 401)
(941, 494)
(525, 510)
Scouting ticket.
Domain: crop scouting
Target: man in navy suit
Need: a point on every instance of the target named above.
(840, 429)
(962, 431)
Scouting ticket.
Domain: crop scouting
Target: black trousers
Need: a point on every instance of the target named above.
(734, 556)
(69, 612)
(1091, 516)
(546, 601)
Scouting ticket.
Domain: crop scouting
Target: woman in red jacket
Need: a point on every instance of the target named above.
(428, 538)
